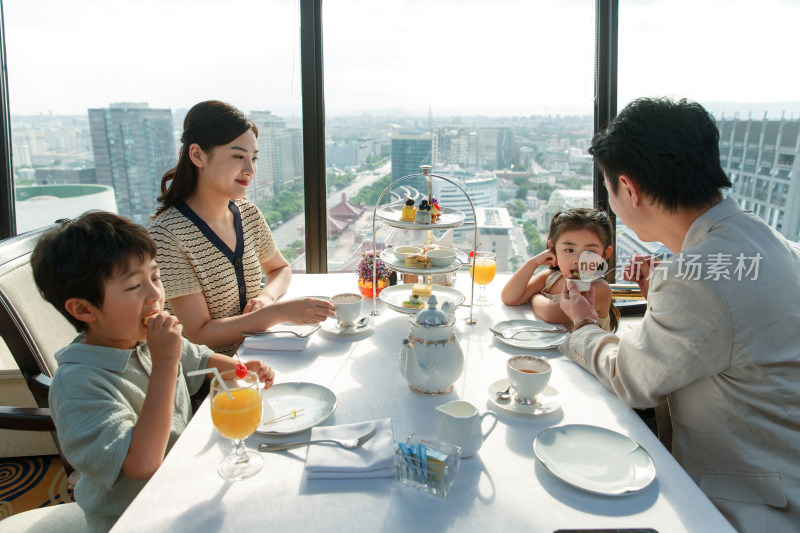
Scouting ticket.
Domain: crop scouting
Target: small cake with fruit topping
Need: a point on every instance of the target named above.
(407, 215)
(422, 290)
(423, 213)
(436, 211)
(413, 302)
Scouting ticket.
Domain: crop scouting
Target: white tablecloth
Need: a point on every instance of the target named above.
(503, 487)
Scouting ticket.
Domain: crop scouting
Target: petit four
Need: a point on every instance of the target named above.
(423, 215)
(413, 302)
(408, 212)
(417, 261)
(422, 290)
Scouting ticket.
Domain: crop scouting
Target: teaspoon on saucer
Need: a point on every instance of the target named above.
(504, 394)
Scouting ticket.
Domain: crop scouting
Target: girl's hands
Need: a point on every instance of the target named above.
(265, 373)
(547, 257)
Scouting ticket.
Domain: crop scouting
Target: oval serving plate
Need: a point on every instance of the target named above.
(318, 403)
(394, 295)
(396, 262)
(390, 215)
(595, 459)
(531, 340)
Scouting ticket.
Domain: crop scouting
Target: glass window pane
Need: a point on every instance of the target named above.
(733, 59)
(99, 91)
(468, 88)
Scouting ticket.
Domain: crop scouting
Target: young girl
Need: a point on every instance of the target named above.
(214, 245)
(572, 232)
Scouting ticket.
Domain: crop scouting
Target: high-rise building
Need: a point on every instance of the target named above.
(133, 147)
(409, 152)
(280, 155)
(762, 160)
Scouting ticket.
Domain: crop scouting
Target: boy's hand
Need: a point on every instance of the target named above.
(165, 338)
(265, 373)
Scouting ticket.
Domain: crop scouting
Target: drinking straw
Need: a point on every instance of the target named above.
(216, 376)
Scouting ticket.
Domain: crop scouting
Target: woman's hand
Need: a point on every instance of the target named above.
(305, 311)
(254, 304)
(639, 270)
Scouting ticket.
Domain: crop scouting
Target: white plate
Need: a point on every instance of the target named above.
(398, 262)
(394, 295)
(547, 401)
(317, 402)
(390, 214)
(332, 326)
(531, 340)
(595, 459)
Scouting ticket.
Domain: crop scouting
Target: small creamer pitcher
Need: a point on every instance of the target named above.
(460, 424)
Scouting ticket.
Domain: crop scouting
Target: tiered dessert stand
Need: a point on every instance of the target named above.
(450, 218)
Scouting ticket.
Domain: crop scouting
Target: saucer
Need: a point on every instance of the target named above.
(332, 326)
(547, 401)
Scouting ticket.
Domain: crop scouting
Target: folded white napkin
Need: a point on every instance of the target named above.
(374, 459)
(275, 341)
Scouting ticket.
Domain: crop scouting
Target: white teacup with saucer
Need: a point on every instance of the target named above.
(546, 401)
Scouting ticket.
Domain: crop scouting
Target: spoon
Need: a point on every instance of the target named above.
(360, 323)
(504, 394)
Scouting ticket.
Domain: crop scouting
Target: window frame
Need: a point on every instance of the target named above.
(313, 106)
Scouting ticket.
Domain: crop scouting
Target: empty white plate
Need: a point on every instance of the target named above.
(313, 404)
(595, 459)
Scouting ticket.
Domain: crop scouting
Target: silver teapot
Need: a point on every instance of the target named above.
(431, 359)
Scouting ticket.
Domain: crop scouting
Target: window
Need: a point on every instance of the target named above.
(668, 48)
(498, 98)
(98, 92)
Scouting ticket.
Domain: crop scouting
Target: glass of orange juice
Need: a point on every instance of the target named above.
(482, 270)
(236, 413)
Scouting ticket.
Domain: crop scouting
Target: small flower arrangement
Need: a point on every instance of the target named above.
(364, 273)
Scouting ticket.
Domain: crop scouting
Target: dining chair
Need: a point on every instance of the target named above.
(33, 330)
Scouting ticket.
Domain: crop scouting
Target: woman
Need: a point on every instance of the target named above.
(213, 244)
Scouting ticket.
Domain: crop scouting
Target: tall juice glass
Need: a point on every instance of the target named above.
(236, 413)
(482, 270)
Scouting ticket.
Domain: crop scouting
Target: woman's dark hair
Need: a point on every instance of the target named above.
(670, 148)
(77, 258)
(594, 220)
(208, 124)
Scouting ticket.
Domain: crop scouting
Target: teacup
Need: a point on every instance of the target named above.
(528, 376)
(348, 307)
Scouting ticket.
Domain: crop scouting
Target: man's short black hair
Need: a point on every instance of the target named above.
(670, 148)
(76, 259)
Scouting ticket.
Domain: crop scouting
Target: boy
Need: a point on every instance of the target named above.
(119, 397)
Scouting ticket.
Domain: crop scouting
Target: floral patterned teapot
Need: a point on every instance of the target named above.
(431, 359)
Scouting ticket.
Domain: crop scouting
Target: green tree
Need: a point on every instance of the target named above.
(516, 208)
(369, 195)
(535, 243)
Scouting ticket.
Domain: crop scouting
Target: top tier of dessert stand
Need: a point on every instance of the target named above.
(450, 218)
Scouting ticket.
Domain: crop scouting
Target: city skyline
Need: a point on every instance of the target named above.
(538, 61)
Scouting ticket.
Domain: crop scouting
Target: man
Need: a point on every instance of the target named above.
(719, 339)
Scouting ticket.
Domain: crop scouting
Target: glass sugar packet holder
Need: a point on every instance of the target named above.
(427, 464)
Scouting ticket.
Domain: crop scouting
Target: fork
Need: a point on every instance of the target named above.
(344, 443)
(527, 330)
(270, 332)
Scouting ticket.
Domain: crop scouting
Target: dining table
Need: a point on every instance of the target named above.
(503, 487)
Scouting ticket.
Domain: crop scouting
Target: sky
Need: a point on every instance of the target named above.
(491, 57)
